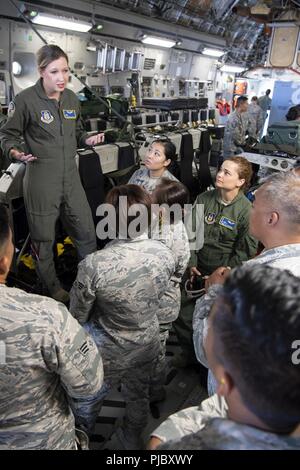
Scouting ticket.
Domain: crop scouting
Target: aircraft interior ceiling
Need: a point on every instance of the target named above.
(240, 27)
(240, 23)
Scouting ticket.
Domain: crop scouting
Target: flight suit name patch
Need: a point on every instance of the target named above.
(46, 117)
(69, 113)
(225, 222)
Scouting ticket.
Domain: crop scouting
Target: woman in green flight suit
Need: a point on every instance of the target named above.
(226, 238)
(44, 130)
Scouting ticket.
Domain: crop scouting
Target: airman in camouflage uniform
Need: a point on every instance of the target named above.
(236, 128)
(265, 103)
(256, 117)
(122, 286)
(265, 421)
(175, 237)
(142, 177)
(206, 427)
(282, 257)
(47, 363)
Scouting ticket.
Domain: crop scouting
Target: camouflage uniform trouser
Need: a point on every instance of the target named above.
(135, 382)
(159, 377)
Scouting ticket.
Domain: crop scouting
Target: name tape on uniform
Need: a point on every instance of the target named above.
(225, 222)
(69, 113)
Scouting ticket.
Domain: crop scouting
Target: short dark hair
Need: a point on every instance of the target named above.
(169, 148)
(293, 113)
(170, 192)
(268, 91)
(4, 227)
(254, 98)
(256, 321)
(241, 100)
(135, 195)
(47, 54)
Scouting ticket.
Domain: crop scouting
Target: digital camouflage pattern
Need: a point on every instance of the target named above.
(119, 289)
(281, 257)
(47, 361)
(235, 133)
(175, 237)
(207, 427)
(224, 434)
(256, 117)
(142, 178)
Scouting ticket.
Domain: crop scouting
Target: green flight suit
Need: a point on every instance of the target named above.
(51, 131)
(4, 160)
(226, 233)
(226, 243)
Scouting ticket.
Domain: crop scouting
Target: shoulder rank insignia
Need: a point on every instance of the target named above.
(225, 222)
(210, 218)
(46, 117)
(69, 113)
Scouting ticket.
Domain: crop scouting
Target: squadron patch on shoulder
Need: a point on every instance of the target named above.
(11, 109)
(46, 117)
(69, 113)
(210, 218)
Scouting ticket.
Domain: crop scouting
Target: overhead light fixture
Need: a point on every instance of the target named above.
(16, 68)
(232, 68)
(91, 46)
(60, 22)
(282, 24)
(156, 41)
(32, 13)
(212, 52)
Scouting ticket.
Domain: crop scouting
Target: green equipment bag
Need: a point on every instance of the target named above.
(284, 136)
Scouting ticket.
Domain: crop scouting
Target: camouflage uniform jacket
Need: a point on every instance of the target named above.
(281, 257)
(123, 285)
(206, 427)
(46, 357)
(256, 117)
(235, 133)
(226, 233)
(265, 102)
(142, 177)
(176, 238)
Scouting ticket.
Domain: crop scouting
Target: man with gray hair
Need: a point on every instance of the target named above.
(252, 349)
(275, 221)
